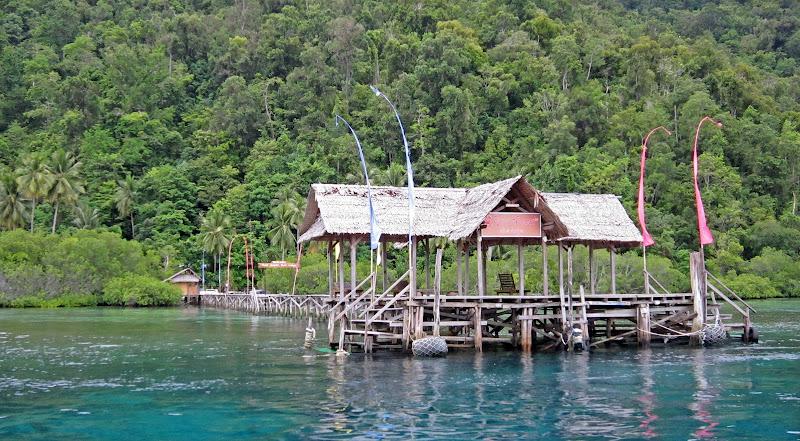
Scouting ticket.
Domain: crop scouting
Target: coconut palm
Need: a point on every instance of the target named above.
(34, 181)
(66, 183)
(285, 218)
(125, 199)
(215, 233)
(12, 210)
(86, 217)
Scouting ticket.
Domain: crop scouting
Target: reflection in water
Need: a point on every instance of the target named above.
(703, 396)
(648, 396)
(205, 375)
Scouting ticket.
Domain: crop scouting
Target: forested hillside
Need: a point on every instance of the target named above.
(178, 122)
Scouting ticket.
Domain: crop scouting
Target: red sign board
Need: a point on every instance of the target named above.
(278, 264)
(507, 225)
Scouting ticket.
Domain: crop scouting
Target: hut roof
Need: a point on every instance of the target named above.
(342, 209)
(186, 275)
(456, 213)
(593, 218)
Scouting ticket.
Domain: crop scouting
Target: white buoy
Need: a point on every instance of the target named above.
(429, 347)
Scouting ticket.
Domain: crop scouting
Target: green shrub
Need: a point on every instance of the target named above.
(136, 290)
(751, 286)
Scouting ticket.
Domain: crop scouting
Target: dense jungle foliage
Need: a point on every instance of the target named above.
(178, 123)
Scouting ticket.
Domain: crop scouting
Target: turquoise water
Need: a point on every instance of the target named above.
(131, 374)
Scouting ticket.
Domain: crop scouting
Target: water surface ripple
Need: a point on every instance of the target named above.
(201, 374)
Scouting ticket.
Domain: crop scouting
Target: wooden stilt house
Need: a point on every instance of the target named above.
(509, 212)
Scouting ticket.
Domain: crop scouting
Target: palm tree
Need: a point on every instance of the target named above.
(66, 181)
(216, 236)
(125, 199)
(86, 217)
(285, 217)
(12, 210)
(34, 181)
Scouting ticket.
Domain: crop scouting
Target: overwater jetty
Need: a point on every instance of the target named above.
(379, 313)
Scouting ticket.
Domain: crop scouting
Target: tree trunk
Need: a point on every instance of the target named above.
(132, 231)
(55, 218)
(33, 212)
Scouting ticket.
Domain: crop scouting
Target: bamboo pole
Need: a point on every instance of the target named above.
(437, 286)
(613, 270)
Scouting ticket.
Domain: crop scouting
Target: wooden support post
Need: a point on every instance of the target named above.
(584, 318)
(331, 270)
(467, 287)
(412, 275)
(643, 325)
(570, 289)
(521, 259)
(545, 266)
(437, 287)
(613, 270)
(592, 271)
(561, 295)
(427, 264)
(384, 265)
(353, 256)
(698, 279)
(478, 336)
(481, 268)
(459, 274)
(341, 269)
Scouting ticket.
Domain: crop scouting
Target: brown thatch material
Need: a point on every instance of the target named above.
(343, 210)
(456, 213)
(186, 275)
(593, 218)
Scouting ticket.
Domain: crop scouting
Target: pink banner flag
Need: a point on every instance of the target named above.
(705, 234)
(647, 239)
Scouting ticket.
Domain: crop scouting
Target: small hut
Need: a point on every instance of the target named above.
(187, 280)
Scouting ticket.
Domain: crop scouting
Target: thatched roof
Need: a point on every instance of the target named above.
(342, 209)
(186, 275)
(594, 218)
(456, 213)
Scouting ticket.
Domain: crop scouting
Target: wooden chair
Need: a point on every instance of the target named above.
(507, 285)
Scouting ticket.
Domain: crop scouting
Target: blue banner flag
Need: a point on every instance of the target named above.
(409, 171)
(374, 230)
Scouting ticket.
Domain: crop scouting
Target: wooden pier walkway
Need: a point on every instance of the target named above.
(298, 305)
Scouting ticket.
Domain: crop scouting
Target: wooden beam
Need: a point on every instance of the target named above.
(561, 286)
(478, 330)
(341, 268)
(698, 281)
(427, 264)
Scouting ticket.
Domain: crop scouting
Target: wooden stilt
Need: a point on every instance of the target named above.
(521, 260)
(427, 264)
(698, 280)
(459, 274)
(481, 268)
(467, 287)
(562, 297)
(353, 257)
(437, 287)
(613, 270)
(643, 324)
(592, 271)
(341, 269)
(384, 265)
(412, 275)
(331, 270)
(545, 266)
(478, 337)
